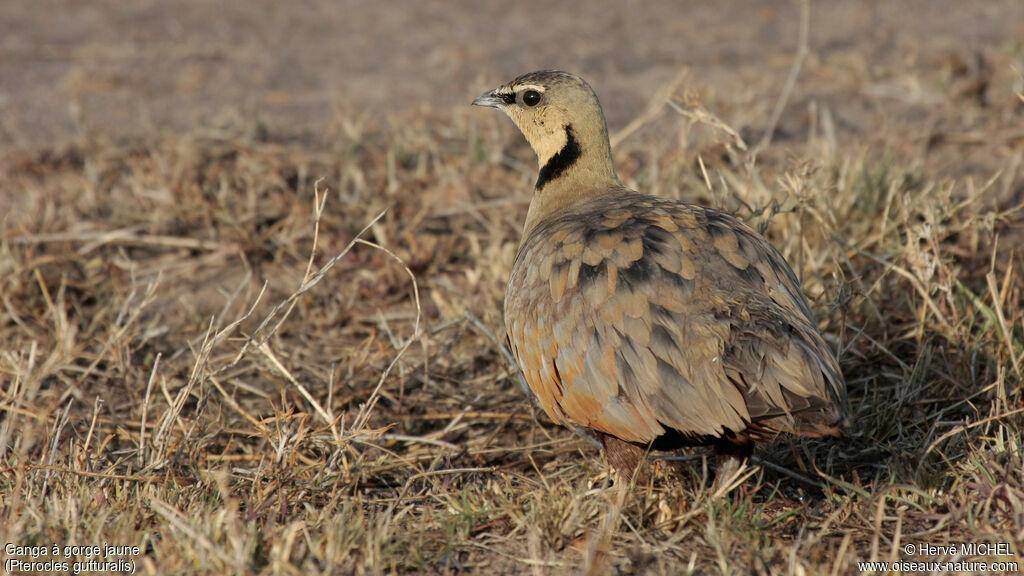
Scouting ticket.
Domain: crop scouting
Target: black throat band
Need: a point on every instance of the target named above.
(561, 161)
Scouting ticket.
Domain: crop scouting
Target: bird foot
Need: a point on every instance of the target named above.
(626, 458)
(730, 467)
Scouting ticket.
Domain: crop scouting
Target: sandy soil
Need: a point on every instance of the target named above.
(105, 66)
(933, 83)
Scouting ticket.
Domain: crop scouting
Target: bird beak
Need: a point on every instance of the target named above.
(488, 99)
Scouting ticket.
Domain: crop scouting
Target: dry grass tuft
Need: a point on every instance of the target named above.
(248, 356)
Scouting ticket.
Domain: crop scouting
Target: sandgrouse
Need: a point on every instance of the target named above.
(652, 322)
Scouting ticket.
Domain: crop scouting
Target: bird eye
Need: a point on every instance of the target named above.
(531, 97)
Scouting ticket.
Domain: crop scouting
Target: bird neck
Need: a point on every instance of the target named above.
(581, 169)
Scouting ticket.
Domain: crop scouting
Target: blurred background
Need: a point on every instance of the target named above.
(70, 68)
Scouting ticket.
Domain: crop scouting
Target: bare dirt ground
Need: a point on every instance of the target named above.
(176, 374)
(68, 68)
(933, 75)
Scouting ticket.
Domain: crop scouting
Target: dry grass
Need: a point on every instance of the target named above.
(215, 350)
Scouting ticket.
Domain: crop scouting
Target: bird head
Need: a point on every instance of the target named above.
(561, 118)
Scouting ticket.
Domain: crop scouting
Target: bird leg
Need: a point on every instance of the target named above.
(729, 458)
(626, 458)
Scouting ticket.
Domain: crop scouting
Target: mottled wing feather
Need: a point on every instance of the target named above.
(634, 315)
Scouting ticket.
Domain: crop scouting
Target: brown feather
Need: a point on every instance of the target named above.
(654, 321)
